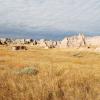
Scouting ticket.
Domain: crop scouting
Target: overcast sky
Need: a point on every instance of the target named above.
(63, 15)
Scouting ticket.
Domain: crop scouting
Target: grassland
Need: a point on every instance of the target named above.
(63, 74)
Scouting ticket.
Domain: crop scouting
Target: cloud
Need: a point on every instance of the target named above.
(75, 15)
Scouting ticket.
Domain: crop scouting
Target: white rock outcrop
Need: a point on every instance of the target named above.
(74, 41)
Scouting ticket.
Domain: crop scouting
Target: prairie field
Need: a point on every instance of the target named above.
(49, 74)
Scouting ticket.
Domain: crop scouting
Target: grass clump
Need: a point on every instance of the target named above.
(27, 70)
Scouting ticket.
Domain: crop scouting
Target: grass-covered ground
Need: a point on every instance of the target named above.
(62, 74)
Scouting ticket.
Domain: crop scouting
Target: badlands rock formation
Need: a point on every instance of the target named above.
(5, 41)
(94, 41)
(47, 44)
(74, 41)
(77, 41)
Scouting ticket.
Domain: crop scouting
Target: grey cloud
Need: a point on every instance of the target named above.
(81, 15)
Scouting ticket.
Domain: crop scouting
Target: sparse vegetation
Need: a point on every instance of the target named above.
(26, 70)
(61, 75)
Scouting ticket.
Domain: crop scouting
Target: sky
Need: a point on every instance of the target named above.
(29, 17)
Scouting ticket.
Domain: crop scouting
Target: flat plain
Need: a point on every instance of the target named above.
(62, 74)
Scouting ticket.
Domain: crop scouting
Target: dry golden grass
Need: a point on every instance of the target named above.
(64, 74)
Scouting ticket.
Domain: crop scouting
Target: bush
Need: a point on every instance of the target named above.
(27, 70)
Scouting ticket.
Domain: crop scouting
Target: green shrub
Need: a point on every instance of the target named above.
(27, 70)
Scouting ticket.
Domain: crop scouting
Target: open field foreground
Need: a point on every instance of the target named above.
(49, 74)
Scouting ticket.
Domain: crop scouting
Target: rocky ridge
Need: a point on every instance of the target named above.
(77, 41)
